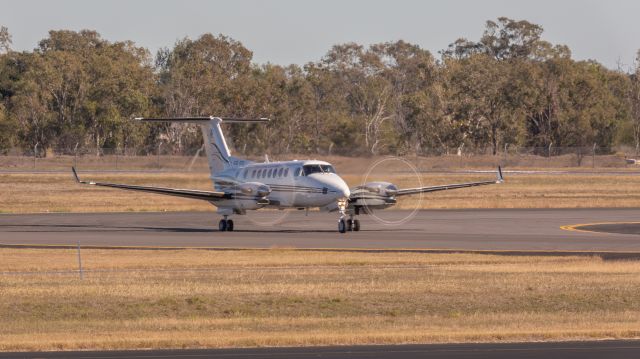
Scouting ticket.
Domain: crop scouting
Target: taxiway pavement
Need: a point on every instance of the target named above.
(492, 229)
(542, 350)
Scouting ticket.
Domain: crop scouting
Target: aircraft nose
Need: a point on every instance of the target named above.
(334, 186)
(341, 189)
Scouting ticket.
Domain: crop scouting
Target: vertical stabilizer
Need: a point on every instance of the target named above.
(218, 154)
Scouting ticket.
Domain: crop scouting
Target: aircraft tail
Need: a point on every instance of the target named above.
(218, 153)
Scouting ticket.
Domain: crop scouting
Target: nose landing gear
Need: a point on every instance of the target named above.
(350, 224)
(225, 225)
(342, 224)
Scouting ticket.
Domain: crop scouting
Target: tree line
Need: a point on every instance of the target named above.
(509, 88)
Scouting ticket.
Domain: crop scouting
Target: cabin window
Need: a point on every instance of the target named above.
(280, 172)
(286, 172)
(297, 172)
(269, 173)
(253, 174)
(246, 172)
(264, 172)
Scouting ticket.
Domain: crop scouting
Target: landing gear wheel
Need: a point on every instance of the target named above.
(356, 225)
(349, 225)
(230, 225)
(342, 226)
(222, 225)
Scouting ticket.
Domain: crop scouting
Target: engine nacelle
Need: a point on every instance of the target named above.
(245, 196)
(257, 189)
(381, 188)
(373, 195)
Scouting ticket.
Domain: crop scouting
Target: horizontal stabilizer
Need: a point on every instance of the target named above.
(75, 175)
(197, 119)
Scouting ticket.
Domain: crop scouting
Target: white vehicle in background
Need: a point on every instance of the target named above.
(241, 185)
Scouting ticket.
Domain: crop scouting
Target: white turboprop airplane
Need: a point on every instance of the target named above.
(242, 185)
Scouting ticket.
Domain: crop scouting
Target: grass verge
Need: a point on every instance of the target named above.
(279, 297)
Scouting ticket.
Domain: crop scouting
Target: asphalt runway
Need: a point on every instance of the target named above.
(619, 228)
(493, 230)
(542, 350)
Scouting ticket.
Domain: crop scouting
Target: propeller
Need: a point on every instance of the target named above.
(376, 192)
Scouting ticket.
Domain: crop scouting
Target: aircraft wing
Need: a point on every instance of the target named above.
(186, 193)
(409, 191)
(225, 181)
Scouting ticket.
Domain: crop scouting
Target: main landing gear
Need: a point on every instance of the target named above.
(353, 224)
(348, 225)
(225, 225)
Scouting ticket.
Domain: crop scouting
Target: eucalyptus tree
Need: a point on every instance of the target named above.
(634, 102)
(330, 123)
(5, 40)
(7, 129)
(285, 95)
(416, 99)
(505, 39)
(77, 89)
(201, 77)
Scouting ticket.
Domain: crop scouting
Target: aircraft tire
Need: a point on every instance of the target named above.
(222, 225)
(230, 225)
(342, 226)
(356, 225)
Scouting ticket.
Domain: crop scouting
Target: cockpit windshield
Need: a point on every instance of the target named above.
(309, 169)
(327, 169)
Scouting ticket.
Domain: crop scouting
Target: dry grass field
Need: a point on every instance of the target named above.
(277, 297)
(56, 192)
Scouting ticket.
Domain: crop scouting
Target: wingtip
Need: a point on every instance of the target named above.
(75, 175)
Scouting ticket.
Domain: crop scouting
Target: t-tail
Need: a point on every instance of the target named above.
(218, 153)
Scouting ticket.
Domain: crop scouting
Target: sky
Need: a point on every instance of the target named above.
(298, 31)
